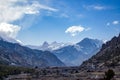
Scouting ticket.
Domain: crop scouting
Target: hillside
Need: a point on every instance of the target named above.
(108, 56)
(15, 54)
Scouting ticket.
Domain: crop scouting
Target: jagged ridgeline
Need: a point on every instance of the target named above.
(108, 56)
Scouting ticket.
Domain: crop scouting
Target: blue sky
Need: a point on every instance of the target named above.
(61, 20)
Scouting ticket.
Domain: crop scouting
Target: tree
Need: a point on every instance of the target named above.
(109, 74)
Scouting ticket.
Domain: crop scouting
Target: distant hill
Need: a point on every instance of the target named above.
(15, 54)
(108, 56)
(74, 55)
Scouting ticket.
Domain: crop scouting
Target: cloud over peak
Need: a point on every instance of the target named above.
(9, 30)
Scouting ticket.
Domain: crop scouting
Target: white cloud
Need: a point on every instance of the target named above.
(74, 30)
(9, 30)
(94, 7)
(98, 7)
(11, 11)
(115, 22)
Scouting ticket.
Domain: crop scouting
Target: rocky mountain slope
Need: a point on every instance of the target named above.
(15, 54)
(108, 56)
(74, 55)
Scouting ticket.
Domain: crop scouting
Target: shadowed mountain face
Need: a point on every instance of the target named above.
(108, 56)
(74, 55)
(15, 54)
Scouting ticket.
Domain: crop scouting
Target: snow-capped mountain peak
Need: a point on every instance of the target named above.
(50, 46)
(45, 44)
(75, 54)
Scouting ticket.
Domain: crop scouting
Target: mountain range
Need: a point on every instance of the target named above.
(74, 55)
(107, 57)
(54, 54)
(15, 54)
(49, 47)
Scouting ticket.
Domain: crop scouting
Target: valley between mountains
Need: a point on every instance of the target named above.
(87, 60)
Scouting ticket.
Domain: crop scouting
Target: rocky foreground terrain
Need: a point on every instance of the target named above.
(65, 73)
